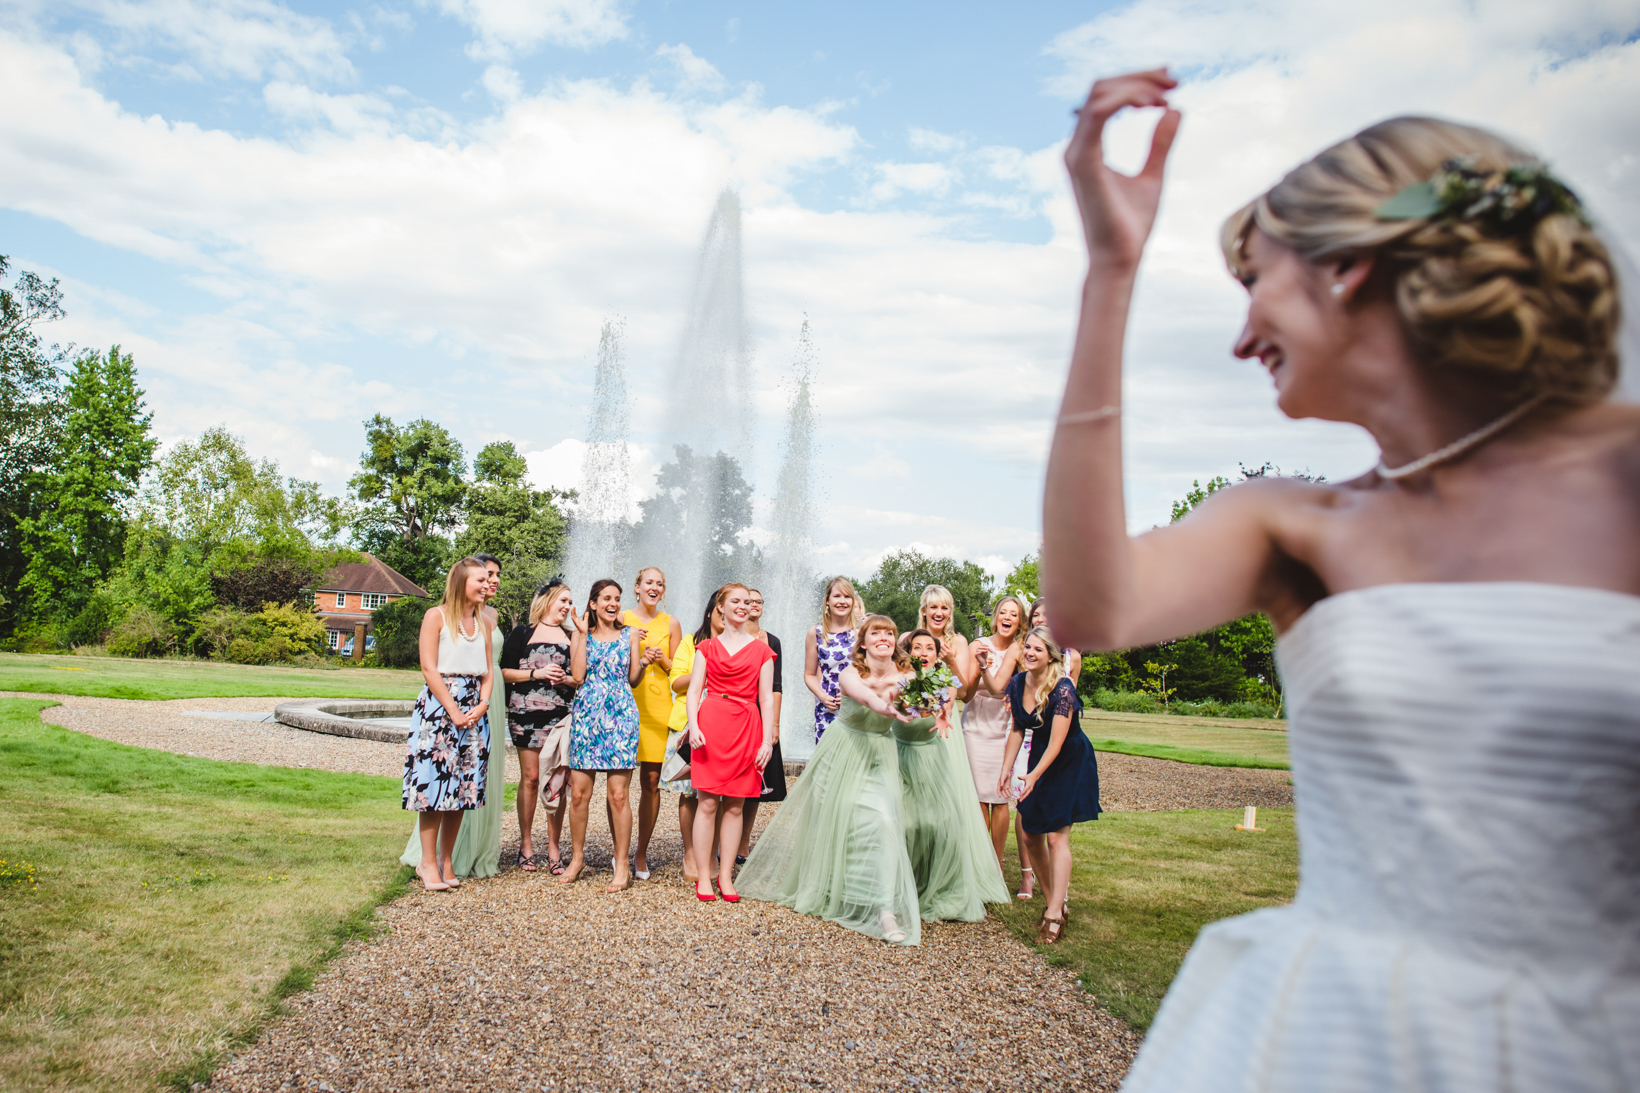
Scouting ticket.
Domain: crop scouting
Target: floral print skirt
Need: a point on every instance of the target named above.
(444, 766)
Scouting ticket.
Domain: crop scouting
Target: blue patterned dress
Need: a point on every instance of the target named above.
(603, 728)
(834, 652)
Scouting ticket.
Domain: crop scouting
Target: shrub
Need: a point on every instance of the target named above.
(143, 632)
(257, 581)
(1126, 701)
(299, 627)
(398, 630)
(218, 628)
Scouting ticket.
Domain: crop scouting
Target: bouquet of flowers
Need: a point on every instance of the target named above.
(925, 693)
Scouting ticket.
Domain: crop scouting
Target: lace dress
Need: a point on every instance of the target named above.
(1466, 759)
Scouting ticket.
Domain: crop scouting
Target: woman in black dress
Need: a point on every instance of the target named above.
(535, 667)
(1062, 782)
(774, 775)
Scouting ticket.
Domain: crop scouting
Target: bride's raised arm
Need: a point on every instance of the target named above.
(1109, 591)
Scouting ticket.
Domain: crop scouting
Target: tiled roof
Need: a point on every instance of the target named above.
(370, 575)
(344, 623)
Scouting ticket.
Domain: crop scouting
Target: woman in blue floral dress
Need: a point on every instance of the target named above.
(603, 736)
(830, 649)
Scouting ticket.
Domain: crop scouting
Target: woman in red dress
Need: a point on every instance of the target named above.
(730, 736)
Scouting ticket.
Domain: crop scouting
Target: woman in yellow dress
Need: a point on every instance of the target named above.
(653, 691)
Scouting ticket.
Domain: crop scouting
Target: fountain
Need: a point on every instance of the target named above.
(600, 532)
(696, 526)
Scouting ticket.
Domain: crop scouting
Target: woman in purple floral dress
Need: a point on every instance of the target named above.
(830, 649)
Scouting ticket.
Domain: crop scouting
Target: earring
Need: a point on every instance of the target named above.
(1338, 289)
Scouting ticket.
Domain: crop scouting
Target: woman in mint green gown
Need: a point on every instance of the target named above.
(477, 852)
(951, 854)
(837, 849)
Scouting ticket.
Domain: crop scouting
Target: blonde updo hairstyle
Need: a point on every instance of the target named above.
(1535, 305)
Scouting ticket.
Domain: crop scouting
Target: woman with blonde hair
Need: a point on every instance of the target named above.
(828, 648)
(836, 848)
(660, 636)
(449, 744)
(937, 613)
(1458, 625)
(1061, 783)
(535, 666)
(985, 718)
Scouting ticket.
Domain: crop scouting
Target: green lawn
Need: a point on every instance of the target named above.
(115, 677)
(1212, 741)
(154, 908)
(1144, 883)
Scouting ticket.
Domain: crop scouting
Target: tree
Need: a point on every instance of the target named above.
(1196, 495)
(412, 477)
(1024, 577)
(523, 527)
(31, 414)
(896, 588)
(713, 487)
(79, 532)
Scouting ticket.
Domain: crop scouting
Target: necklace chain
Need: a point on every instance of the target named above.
(462, 630)
(1462, 444)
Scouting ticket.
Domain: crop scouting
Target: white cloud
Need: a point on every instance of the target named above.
(248, 39)
(694, 73)
(927, 140)
(894, 179)
(508, 28)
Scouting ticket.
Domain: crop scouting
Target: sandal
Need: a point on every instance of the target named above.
(526, 862)
(1051, 931)
(555, 866)
(1027, 881)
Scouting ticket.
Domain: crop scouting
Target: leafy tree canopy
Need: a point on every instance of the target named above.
(896, 588)
(523, 527)
(411, 477)
(78, 534)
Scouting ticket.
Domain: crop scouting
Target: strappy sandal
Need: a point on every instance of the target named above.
(1026, 891)
(555, 866)
(1051, 931)
(526, 862)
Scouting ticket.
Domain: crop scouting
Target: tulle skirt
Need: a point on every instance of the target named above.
(952, 858)
(836, 849)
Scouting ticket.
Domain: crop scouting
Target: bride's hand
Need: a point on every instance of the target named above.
(1118, 211)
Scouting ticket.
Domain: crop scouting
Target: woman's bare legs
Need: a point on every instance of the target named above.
(1058, 880)
(649, 810)
(580, 803)
(618, 790)
(427, 827)
(1027, 863)
(996, 821)
(1034, 853)
(529, 787)
(749, 818)
(706, 815)
(555, 829)
(449, 824)
(686, 827)
(733, 815)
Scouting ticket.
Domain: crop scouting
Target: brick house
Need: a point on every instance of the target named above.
(349, 593)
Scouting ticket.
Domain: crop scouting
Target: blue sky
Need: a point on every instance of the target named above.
(296, 214)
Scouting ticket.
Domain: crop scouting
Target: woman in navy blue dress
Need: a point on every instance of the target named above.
(1062, 782)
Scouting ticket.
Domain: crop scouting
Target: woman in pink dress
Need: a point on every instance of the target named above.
(986, 720)
(731, 735)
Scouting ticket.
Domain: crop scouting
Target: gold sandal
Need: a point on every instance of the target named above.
(1051, 931)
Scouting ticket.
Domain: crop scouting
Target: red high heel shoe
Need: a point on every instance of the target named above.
(728, 897)
(709, 898)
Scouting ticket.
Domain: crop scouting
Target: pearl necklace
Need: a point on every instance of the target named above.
(1462, 444)
(462, 630)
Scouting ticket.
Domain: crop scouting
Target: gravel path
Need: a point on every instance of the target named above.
(516, 982)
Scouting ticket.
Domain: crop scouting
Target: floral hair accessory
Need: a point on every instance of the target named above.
(1512, 198)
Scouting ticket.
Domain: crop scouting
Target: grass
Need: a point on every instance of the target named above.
(1210, 741)
(1144, 883)
(155, 908)
(117, 677)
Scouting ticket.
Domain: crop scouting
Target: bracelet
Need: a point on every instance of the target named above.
(1087, 416)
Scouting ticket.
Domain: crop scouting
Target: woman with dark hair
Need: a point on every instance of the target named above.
(683, 666)
(1459, 625)
(603, 736)
(774, 771)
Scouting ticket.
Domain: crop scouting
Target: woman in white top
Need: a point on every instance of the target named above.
(449, 745)
(1459, 625)
(986, 719)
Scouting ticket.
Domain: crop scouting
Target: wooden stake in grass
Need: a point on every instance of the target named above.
(1249, 820)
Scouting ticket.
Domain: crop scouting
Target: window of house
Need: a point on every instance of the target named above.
(335, 638)
(341, 599)
(373, 600)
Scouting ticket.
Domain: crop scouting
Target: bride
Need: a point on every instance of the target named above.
(1460, 625)
(837, 847)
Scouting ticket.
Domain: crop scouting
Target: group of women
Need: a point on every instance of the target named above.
(898, 818)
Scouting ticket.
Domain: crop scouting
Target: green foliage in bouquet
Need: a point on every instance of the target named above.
(926, 691)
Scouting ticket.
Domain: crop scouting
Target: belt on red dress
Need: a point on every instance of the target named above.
(732, 698)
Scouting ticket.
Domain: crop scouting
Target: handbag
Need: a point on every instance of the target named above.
(677, 756)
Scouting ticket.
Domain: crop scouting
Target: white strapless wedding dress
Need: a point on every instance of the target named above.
(1466, 759)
